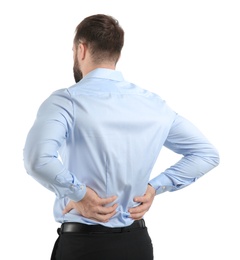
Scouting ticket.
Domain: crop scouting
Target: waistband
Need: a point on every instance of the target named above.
(74, 227)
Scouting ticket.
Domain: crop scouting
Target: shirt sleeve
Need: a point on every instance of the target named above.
(49, 132)
(199, 157)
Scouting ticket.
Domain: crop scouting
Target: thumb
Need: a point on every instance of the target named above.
(68, 208)
(140, 199)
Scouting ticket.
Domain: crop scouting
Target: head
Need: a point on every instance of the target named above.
(98, 41)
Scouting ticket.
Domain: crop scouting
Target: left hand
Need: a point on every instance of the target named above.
(146, 202)
(93, 207)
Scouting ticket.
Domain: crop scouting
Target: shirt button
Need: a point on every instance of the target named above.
(163, 187)
(72, 187)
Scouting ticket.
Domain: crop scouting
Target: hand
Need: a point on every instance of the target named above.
(146, 202)
(93, 207)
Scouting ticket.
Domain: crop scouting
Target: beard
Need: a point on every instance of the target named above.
(77, 73)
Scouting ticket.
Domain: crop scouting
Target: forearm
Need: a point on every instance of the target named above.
(50, 172)
(48, 134)
(199, 157)
(183, 173)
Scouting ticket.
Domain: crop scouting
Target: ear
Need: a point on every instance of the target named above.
(82, 48)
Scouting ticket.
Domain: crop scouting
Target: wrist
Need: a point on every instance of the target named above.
(152, 189)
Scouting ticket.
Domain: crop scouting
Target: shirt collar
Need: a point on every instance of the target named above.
(105, 74)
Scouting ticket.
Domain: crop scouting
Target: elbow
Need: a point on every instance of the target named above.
(215, 158)
(212, 158)
(29, 164)
(27, 161)
(32, 162)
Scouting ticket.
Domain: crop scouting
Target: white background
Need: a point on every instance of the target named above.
(186, 51)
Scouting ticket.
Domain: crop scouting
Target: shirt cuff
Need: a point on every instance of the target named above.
(78, 192)
(68, 186)
(161, 184)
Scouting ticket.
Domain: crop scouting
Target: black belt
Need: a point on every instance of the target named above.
(83, 228)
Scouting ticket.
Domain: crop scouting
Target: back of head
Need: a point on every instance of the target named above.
(103, 36)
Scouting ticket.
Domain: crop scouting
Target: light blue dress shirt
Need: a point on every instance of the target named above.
(106, 133)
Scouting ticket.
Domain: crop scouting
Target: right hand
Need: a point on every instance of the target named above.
(145, 203)
(93, 207)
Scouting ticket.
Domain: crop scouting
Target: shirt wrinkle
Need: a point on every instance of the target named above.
(108, 133)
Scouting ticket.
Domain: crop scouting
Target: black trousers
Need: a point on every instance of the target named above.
(131, 245)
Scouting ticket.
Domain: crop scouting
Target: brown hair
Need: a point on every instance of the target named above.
(103, 35)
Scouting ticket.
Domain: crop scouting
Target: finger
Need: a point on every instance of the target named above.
(107, 200)
(106, 210)
(141, 208)
(68, 208)
(105, 217)
(138, 216)
(142, 199)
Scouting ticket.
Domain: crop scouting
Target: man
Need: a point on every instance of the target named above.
(94, 145)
